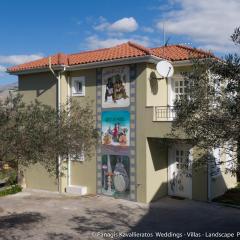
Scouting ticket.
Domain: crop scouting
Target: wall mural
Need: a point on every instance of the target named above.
(115, 129)
(115, 175)
(115, 132)
(115, 87)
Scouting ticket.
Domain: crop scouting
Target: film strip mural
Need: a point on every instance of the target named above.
(116, 120)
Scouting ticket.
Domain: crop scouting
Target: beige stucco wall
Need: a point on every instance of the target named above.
(64, 88)
(156, 167)
(140, 133)
(199, 176)
(36, 177)
(41, 86)
(84, 173)
(222, 182)
(156, 89)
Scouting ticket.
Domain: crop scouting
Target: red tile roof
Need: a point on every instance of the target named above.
(122, 51)
(180, 52)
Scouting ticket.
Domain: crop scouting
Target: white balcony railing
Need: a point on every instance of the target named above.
(163, 113)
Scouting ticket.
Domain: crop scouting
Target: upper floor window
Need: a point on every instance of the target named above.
(78, 86)
(180, 86)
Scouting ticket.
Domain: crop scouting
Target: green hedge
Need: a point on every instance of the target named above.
(10, 190)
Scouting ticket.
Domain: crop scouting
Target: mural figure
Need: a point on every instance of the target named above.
(115, 87)
(115, 131)
(115, 175)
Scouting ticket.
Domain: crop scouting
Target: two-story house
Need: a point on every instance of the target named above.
(136, 158)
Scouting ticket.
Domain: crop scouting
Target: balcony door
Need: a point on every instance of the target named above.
(179, 171)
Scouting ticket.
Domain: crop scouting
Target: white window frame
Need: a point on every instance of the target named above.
(181, 89)
(76, 80)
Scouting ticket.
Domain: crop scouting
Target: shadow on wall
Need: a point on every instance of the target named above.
(153, 83)
(37, 82)
(209, 182)
(42, 86)
(157, 169)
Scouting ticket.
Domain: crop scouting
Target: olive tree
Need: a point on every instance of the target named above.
(209, 112)
(37, 133)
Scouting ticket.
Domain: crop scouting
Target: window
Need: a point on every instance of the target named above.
(180, 86)
(78, 86)
(182, 159)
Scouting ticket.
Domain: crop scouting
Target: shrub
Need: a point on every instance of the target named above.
(10, 190)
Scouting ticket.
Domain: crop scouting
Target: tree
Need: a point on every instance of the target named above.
(38, 133)
(209, 112)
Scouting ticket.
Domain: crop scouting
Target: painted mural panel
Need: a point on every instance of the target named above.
(115, 132)
(115, 87)
(115, 175)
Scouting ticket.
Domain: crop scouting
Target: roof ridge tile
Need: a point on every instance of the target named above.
(199, 50)
(140, 47)
(97, 50)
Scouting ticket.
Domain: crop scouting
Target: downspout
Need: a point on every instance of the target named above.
(58, 107)
(69, 161)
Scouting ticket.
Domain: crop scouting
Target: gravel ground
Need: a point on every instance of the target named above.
(44, 215)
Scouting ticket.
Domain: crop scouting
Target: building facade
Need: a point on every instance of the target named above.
(136, 158)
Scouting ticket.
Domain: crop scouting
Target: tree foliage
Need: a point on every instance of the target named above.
(37, 133)
(209, 113)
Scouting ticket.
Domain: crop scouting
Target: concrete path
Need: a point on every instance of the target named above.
(44, 215)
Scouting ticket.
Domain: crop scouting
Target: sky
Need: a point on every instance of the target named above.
(32, 29)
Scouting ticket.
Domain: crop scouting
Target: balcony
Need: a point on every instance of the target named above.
(163, 113)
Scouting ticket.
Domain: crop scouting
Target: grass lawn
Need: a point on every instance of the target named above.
(232, 196)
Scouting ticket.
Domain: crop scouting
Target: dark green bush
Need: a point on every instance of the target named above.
(10, 190)
(12, 177)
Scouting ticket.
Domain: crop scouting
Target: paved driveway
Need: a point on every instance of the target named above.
(43, 215)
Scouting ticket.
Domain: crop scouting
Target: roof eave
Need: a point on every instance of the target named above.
(37, 70)
(182, 63)
(108, 63)
(188, 62)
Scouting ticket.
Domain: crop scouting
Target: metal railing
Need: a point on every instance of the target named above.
(163, 113)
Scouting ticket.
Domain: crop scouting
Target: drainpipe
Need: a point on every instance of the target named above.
(69, 161)
(58, 107)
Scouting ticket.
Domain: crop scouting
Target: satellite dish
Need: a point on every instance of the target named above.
(165, 69)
